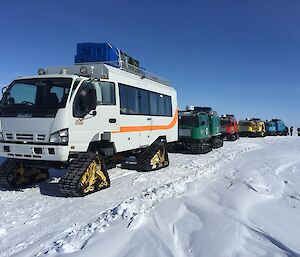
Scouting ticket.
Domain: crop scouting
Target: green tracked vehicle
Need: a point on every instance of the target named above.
(199, 131)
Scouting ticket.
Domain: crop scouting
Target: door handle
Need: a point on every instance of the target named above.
(112, 120)
(149, 118)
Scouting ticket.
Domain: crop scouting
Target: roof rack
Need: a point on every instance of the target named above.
(143, 73)
(227, 116)
(105, 53)
(203, 109)
(197, 109)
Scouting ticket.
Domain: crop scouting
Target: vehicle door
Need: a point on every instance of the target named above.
(94, 113)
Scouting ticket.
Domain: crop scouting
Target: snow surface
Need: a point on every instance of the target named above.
(239, 200)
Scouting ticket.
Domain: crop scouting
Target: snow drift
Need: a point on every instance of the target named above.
(240, 200)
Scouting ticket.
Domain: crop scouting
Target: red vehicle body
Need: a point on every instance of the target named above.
(229, 127)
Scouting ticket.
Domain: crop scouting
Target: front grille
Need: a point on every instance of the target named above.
(24, 137)
(40, 137)
(9, 136)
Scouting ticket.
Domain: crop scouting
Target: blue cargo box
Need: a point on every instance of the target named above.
(96, 52)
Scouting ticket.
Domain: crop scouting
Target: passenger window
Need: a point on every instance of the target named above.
(168, 104)
(144, 102)
(161, 105)
(153, 103)
(105, 93)
(133, 101)
(123, 99)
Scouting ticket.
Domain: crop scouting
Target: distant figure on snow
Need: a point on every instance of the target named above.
(291, 130)
(298, 129)
(286, 131)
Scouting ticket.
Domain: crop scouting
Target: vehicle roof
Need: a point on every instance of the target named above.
(97, 70)
(50, 76)
(191, 113)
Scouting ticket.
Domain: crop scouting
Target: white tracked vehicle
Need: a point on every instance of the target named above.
(81, 117)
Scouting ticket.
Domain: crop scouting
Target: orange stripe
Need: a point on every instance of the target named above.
(155, 127)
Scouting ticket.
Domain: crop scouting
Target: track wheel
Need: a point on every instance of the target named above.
(85, 175)
(159, 159)
(154, 158)
(21, 175)
(17, 176)
(40, 175)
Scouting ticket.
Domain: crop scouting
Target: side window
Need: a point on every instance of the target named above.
(161, 105)
(123, 99)
(133, 100)
(81, 104)
(153, 103)
(129, 99)
(203, 120)
(105, 93)
(144, 102)
(168, 104)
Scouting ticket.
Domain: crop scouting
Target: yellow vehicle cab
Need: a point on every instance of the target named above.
(252, 128)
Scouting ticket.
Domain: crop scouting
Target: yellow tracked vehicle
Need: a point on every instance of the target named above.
(252, 128)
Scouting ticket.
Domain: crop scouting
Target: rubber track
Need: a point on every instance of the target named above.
(7, 166)
(69, 183)
(145, 157)
(199, 149)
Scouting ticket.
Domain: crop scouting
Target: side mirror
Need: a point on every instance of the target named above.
(92, 99)
(4, 89)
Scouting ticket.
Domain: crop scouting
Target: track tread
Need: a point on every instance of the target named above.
(7, 166)
(69, 183)
(143, 161)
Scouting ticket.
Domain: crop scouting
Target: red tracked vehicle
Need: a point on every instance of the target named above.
(229, 127)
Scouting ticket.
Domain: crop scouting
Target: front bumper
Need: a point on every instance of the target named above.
(34, 152)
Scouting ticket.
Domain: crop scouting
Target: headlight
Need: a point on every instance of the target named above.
(60, 137)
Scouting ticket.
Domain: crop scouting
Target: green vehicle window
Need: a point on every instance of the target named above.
(188, 121)
(203, 120)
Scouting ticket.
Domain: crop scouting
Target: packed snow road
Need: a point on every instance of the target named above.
(240, 200)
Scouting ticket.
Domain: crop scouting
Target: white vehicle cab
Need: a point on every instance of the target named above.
(80, 116)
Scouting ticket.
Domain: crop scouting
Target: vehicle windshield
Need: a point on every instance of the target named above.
(188, 121)
(225, 122)
(38, 97)
(245, 123)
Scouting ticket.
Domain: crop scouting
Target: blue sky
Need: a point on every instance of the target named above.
(238, 56)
